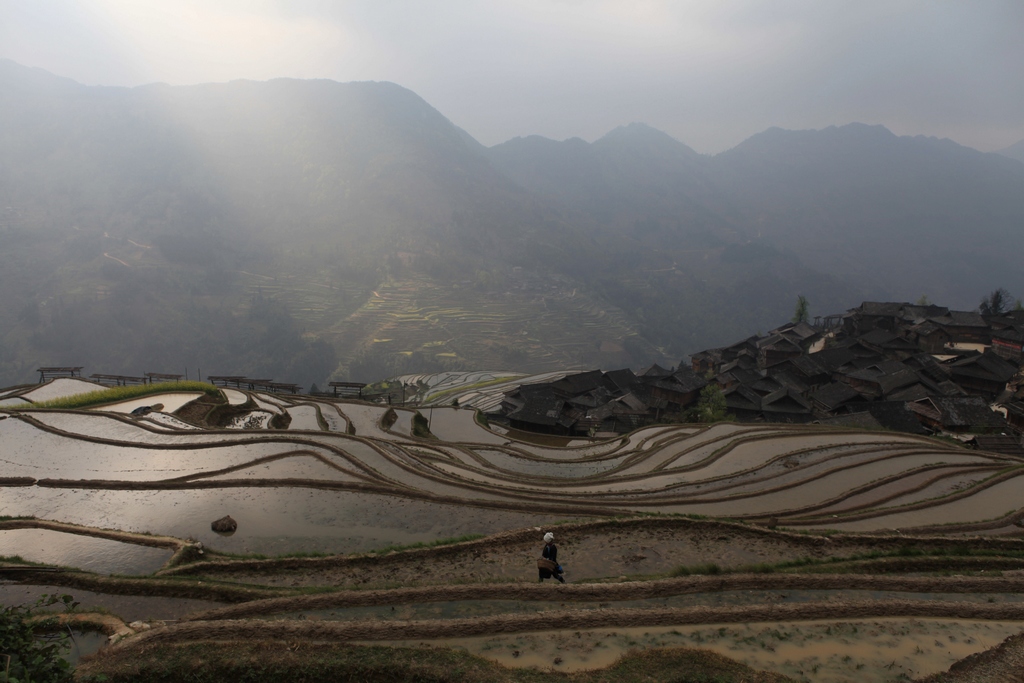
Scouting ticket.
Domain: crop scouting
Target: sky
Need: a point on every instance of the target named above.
(708, 72)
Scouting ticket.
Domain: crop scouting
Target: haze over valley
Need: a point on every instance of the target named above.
(307, 230)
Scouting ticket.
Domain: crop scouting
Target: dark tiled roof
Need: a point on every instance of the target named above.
(624, 380)
(791, 381)
(916, 312)
(742, 398)
(779, 342)
(785, 401)
(1009, 334)
(579, 383)
(877, 337)
(861, 420)
(961, 319)
(986, 366)
(912, 393)
(766, 385)
(883, 308)
(895, 415)
(927, 366)
(655, 371)
(541, 408)
(832, 359)
(926, 329)
(688, 380)
(834, 395)
(808, 366)
(710, 354)
(887, 340)
(964, 412)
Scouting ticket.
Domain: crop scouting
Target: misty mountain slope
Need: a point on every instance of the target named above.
(633, 181)
(300, 229)
(156, 222)
(1014, 151)
(910, 215)
(916, 214)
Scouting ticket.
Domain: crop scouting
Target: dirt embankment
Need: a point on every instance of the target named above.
(228, 630)
(612, 592)
(168, 542)
(588, 550)
(1001, 664)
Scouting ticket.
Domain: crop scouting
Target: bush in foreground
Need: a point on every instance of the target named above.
(33, 658)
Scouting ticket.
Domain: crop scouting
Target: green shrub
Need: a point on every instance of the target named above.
(34, 659)
(420, 426)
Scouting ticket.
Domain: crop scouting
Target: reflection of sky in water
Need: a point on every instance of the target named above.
(169, 401)
(83, 552)
(106, 426)
(234, 396)
(30, 452)
(568, 470)
(303, 417)
(270, 520)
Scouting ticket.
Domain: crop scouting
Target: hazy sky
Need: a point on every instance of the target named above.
(709, 72)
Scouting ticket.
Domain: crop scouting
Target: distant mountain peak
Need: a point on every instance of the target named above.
(642, 136)
(1014, 151)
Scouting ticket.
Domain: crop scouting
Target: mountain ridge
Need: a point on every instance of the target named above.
(299, 199)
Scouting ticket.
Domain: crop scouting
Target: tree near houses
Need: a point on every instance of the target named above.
(996, 303)
(711, 406)
(803, 308)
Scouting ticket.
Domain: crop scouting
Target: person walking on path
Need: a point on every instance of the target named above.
(547, 565)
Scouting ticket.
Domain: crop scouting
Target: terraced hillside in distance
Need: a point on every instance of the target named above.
(535, 325)
(800, 552)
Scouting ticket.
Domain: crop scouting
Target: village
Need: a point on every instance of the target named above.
(917, 368)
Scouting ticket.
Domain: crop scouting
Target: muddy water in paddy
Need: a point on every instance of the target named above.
(30, 452)
(335, 421)
(451, 424)
(291, 467)
(539, 468)
(990, 503)
(126, 607)
(819, 651)
(83, 552)
(811, 492)
(270, 520)
(108, 427)
(303, 418)
(365, 418)
(950, 479)
(171, 401)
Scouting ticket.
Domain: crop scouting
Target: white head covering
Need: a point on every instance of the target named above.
(548, 537)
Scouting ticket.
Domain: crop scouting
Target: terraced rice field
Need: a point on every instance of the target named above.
(349, 477)
(542, 327)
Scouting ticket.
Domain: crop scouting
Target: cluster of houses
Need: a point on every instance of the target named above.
(900, 366)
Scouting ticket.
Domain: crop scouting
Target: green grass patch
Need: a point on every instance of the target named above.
(117, 394)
